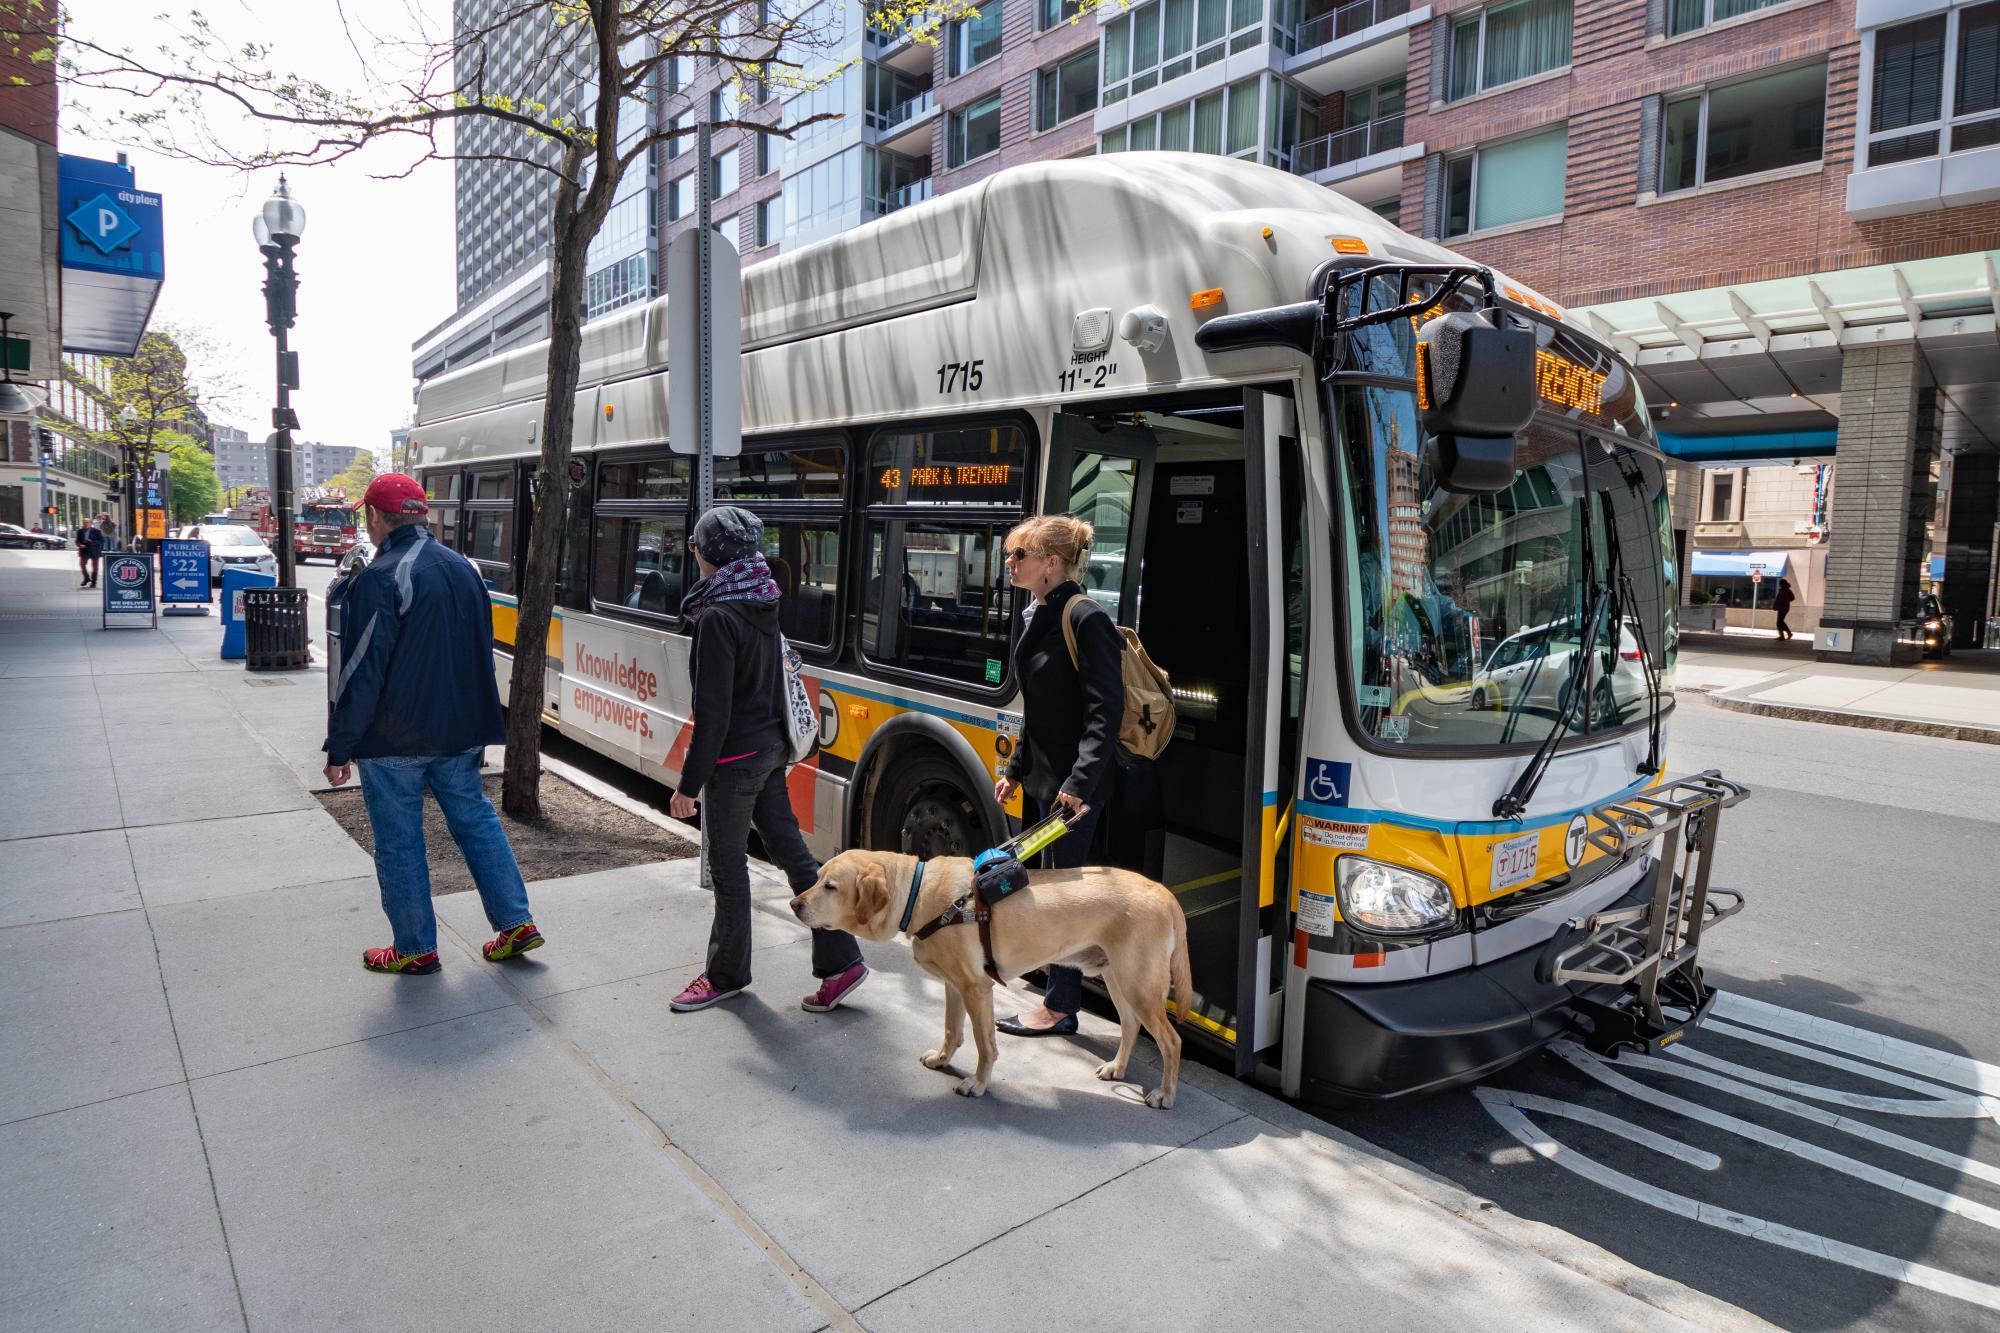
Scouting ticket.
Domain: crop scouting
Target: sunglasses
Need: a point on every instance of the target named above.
(1019, 553)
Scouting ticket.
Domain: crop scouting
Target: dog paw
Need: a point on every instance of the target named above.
(1160, 1099)
(969, 1087)
(934, 1059)
(1110, 1072)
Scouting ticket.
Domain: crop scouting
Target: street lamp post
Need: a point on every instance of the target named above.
(128, 465)
(278, 227)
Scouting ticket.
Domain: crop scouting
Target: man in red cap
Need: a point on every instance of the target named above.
(415, 706)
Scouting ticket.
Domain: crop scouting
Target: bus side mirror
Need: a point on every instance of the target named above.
(1475, 392)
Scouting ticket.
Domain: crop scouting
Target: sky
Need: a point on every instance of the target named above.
(375, 264)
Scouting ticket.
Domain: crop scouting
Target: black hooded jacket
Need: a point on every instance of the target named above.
(733, 667)
(1069, 729)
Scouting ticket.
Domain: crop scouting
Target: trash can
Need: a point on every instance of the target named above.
(275, 636)
(235, 582)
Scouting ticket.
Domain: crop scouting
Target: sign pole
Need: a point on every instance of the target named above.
(704, 249)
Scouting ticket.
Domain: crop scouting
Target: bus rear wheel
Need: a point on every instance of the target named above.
(921, 808)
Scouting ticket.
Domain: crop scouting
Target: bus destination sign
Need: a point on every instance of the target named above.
(946, 483)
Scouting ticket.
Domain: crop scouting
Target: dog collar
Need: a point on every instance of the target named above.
(910, 907)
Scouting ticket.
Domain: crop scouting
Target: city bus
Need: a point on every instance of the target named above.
(1391, 886)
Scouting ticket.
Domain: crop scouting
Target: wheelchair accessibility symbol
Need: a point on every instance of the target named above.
(1326, 781)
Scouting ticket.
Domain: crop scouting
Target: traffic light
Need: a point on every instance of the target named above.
(49, 511)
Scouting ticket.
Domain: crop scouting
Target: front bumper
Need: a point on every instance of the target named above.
(1375, 1043)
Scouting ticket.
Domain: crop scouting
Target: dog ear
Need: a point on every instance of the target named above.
(871, 896)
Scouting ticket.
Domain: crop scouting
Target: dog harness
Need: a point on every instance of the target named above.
(969, 909)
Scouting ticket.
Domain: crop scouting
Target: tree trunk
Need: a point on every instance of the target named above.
(520, 792)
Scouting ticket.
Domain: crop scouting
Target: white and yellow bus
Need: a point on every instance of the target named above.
(1330, 595)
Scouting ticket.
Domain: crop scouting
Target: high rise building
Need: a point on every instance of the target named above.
(240, 461)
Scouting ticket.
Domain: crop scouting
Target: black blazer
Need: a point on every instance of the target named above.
(1069, 731)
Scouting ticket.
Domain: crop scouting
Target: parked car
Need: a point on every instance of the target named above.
(232, 546)
(16, 537)
(1533, 668)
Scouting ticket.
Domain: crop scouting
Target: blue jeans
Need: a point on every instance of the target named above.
(393, 790)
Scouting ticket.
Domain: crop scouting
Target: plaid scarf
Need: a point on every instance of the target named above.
(745, 580)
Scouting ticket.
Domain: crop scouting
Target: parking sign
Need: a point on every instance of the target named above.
(183, 572)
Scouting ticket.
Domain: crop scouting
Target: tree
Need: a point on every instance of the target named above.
(205, 98)
(151, 404)
(354, 481)
(192, 483)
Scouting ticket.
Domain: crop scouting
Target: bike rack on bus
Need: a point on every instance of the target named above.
(1651, 949)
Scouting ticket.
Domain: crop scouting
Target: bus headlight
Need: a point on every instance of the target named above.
(1389, 899)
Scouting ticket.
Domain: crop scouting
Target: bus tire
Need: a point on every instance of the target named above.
(921, 807)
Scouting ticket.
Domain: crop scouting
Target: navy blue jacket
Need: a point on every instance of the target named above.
(416, 666)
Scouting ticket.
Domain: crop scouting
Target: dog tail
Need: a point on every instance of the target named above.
(1183, 975)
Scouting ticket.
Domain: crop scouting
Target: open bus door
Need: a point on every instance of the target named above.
(1186, 499)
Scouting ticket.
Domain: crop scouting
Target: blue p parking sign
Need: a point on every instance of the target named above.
(183, 573)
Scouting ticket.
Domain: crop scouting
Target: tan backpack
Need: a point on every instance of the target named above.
(1148, 723)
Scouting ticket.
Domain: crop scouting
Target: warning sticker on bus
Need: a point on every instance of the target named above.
(1333, 833)
(1315, 913)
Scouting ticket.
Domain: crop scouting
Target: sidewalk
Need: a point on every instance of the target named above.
(1957, 698)
(215, 1119)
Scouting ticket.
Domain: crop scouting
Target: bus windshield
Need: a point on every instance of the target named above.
(1467, 614)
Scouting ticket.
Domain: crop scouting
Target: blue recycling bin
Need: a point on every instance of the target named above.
(233, 583)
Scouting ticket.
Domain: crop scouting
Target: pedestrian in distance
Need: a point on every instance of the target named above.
(415, 706)
(1071, 712)
(108, 526)
(89, 549)
(735, 765)
(1782, 604)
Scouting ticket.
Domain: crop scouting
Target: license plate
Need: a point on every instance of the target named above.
(1514, 860)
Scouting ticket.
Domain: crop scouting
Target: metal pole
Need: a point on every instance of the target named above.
(704, 249)
(42, 452)
(281, 289)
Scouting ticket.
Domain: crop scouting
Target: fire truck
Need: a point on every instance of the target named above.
(325, 525)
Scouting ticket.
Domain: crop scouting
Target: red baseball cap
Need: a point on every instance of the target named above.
(394, 493)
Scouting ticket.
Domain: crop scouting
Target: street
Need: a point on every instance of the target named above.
(1866, 858)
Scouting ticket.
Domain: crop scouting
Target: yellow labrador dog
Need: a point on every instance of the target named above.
(1110, 923)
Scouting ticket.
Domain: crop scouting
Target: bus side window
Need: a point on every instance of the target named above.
(639, 555)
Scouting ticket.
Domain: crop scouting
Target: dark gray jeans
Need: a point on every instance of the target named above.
(745, 793)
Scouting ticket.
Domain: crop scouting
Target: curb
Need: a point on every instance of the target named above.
(1950, 731)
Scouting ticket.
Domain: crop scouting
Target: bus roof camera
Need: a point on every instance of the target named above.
(1145, 327)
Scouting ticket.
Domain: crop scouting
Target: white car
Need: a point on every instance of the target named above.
(1532, 668)
(232, 546)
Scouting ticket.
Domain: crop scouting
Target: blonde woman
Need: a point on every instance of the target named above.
(1071, 712)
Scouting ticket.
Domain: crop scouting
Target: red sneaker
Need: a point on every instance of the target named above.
(388, 960)
(700, 994)
(511, 942)
(832, 990)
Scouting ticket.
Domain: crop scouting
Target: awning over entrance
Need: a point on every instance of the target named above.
(1737, 564)
(1761, 357)
(113, 256)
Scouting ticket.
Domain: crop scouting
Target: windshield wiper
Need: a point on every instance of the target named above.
(1514, 801)
(1655, 708)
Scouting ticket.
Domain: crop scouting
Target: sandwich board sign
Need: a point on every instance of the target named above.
(184, 575)
(128, 587)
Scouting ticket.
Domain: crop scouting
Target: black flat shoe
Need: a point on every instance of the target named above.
(1013, 1027)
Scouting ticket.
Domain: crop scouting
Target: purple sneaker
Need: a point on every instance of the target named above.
(834, 989)
(699, 995)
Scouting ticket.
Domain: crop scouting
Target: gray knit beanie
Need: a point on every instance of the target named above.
(726, 533)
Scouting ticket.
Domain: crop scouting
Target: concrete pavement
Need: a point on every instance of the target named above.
(1957, 698)
(216, 1119)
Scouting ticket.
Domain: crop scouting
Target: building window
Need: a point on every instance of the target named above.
(1740, 129)
(973, 40)
(763, 155)
(1066, 91)
(1914, 63)
(1169, 38)
(723, 173)
(1526, 177)
(770, 216)
(1502, 44)
(1688, 15)
(680, 196)
(1048, 13)
(974, 131)
(1722, 497)
(679, 145)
